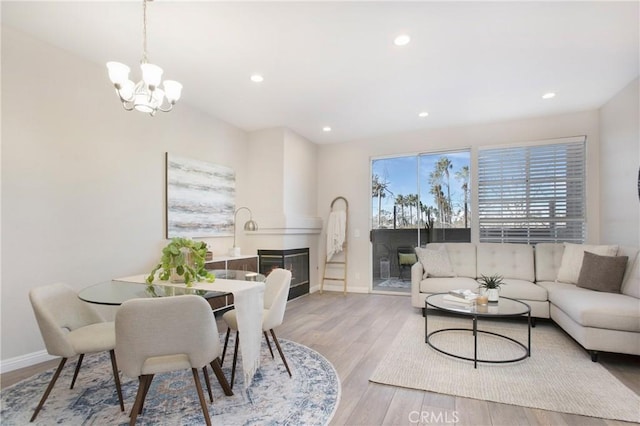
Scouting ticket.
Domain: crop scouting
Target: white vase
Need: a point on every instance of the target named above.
(493, 294)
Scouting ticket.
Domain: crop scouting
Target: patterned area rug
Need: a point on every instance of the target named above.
(310, 397)
(559, 375)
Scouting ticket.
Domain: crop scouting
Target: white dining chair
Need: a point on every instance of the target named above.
(160, 335)
(276, 292)
(71, 327)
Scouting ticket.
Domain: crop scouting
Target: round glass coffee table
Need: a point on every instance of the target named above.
(506, 307)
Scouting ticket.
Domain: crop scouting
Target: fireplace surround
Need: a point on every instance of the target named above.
(294, 260)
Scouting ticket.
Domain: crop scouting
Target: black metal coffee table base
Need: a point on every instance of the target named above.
(475, 359)
(507, 307)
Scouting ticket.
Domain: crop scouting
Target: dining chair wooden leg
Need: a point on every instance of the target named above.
(235, 359)
(77, 370)
(217, 370)
(205, 373)
(48, 390)
(275, 339)
(203, 403)
(266, 337)
(147, 386)
(143, 382)
(116, 378)
(226, 341)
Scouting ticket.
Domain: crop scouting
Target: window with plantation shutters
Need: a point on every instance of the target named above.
(533, 193)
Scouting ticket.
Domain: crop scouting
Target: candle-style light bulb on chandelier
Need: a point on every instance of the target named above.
(146, 95)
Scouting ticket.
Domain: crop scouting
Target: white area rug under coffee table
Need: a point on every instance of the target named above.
(559, 375)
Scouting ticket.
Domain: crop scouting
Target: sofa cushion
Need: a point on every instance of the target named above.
(595, 309)
(602, 273)
(523, 290)
(508, 260)
(572, 259)
(443, 285)
(548, 257)
(435, 262)
(462, 257)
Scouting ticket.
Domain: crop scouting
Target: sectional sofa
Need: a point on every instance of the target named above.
(564, 282)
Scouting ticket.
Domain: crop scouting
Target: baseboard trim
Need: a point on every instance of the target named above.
(25, 361)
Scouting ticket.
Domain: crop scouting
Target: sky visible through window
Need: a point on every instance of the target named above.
(419, 180)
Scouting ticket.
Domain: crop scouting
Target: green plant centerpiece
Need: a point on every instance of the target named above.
(491, 285)
(492, 282)
(182, 261)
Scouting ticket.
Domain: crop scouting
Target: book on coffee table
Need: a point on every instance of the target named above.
(458, 300)
(463, 294)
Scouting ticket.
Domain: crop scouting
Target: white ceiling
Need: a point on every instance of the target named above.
(334, 63)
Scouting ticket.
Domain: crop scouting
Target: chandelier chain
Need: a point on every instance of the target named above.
(144, 31)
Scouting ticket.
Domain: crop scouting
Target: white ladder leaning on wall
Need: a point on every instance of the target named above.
(337, 232)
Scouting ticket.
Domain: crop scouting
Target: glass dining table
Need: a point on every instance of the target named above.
(118, 291)
(244, 289)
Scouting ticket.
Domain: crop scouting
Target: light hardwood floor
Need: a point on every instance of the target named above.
(355, 331)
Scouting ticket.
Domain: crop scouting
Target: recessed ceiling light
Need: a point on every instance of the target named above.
(257, 78)
(402, 40)
(423, 114)
(549, 95)
(326, 129)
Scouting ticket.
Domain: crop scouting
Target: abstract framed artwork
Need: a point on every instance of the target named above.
(200, 198)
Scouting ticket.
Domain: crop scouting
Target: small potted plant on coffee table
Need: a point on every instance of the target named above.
(491, 286)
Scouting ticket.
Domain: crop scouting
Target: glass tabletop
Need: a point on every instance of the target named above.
(117, 292)
(233, 274)
(503, 308)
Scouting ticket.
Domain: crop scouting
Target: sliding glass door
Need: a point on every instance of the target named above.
(415, 199)
(394, 221)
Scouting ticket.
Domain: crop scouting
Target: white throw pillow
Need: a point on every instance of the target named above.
(435, 263)
(569, 270)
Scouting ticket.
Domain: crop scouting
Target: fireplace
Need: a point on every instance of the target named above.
(294, 260)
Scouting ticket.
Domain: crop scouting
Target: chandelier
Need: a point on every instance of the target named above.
(146, 95)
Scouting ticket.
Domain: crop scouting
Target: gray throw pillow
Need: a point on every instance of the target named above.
(435, 263)
(602, 273)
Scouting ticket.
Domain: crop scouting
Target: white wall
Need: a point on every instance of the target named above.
(619, 162)
(83, 180)
(282, 187)
(282, 171)
(265, 170)
(300, 176)
(344, 169)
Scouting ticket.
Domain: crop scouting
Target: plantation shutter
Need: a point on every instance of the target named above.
(533, 193)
